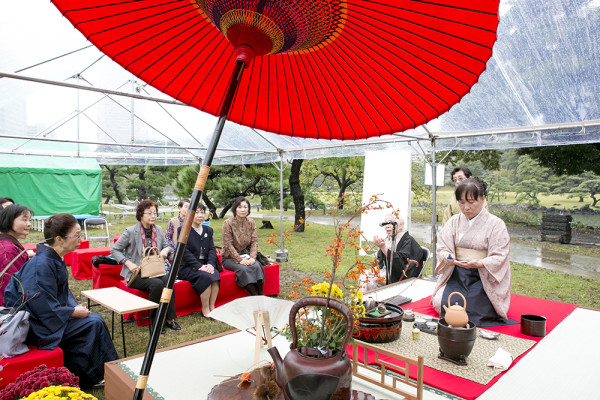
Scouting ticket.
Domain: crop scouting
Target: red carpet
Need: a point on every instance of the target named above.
(554, 312)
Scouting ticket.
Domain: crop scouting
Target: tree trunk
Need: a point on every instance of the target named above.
(113, 183)
(581, 199)
(142, 189)
(297, 195)
(225, 209)
(210, 205)
(595, 200)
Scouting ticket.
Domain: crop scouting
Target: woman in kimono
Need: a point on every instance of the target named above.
(406, 248)
(199, 261)
(55, 317)
(474, 247)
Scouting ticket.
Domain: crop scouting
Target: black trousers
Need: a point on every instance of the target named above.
(154, 287)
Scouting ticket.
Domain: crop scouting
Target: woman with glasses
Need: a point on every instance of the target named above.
(199, 261)
(15, 221)
(129, 251)
(240, 248)
(55, 317)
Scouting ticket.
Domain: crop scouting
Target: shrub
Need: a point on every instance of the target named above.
(36, 379)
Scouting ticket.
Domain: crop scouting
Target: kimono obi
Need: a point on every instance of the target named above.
(470, 254)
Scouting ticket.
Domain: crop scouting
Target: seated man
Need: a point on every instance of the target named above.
(406, 247)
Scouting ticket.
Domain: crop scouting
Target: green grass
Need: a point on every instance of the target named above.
(307, 254)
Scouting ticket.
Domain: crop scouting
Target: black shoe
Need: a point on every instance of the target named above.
(173, 325)
(163, 330)
(205, 317)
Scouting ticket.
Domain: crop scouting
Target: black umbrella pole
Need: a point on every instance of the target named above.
(185, 231)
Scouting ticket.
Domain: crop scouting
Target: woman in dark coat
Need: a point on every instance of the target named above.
(406, 248)
(199, 262)
(55, 317)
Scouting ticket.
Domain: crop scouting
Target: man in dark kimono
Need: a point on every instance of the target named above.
(57, 320)
(406, 247)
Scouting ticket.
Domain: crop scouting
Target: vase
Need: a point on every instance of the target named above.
(329, 375)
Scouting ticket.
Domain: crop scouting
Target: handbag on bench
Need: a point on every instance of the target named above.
(152, 265)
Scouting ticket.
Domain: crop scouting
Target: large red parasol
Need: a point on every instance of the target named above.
(336, 69)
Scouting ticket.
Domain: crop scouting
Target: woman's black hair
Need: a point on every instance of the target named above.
(182, 202)
(237, 202)
(465, 171)
(58, 225)
(9, 214)
(201, 207)
(4, 200)
(471, 188)
(143, 206)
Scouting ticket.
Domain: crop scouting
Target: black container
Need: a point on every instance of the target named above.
(456, 343)
(381, 330)
(533, 325)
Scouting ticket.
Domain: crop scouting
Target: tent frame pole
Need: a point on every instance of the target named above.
(240, 64)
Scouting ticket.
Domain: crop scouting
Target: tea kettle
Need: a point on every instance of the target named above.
(456, 315)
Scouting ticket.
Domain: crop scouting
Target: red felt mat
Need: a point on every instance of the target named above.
(554, 312)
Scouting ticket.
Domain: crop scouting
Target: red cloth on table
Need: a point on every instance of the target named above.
(15, 366)
(554, 312)
(81, 261)
(85, 244)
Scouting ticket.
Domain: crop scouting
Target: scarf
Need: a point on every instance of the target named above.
(153, 244)
(12, 239)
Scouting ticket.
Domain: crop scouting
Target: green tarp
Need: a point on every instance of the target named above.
(51, 185)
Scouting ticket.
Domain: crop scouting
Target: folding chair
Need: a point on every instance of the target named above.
(96, 222)
(426, 256)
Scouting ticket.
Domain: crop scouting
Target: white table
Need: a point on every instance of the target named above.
(120, 302)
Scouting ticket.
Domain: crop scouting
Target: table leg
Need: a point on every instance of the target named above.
(112, 322)
(123, 336)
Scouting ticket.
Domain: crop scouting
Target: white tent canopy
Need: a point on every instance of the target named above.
(541, 88)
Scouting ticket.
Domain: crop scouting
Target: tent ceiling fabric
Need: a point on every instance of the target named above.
(541, 87)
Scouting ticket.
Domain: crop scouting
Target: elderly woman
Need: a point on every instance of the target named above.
(129, 251)
(175, 222)
(240, 247)
(405, 247)
(474, 247)
(199, 261)
(55, 317)
(15, 221)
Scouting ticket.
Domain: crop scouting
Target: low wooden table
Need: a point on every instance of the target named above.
(120, 302)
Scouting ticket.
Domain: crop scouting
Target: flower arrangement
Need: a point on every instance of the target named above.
(38, 378)
(323, 327)
(59, 392)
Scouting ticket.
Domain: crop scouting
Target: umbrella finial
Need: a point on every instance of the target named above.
(245, 54)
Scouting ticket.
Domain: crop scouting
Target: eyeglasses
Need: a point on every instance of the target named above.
(78, 236)
(151, 213)
(456, 180)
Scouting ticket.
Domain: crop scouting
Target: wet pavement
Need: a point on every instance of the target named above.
(530, 254)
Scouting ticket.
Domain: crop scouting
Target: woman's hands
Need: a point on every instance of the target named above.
(380, 242)
(247, 261)
(207, 268)
(80, 311)
(468, 264)
(165, 252)
(131, 265)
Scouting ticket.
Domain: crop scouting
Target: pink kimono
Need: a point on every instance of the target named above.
(487, 234)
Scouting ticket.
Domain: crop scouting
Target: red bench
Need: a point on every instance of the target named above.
(85, 244)
(186, 299)
(13, 367)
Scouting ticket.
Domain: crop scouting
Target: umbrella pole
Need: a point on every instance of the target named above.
(244, 56)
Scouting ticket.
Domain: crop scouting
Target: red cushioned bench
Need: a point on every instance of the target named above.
(186, 299)
(85, 244)
(13, 367)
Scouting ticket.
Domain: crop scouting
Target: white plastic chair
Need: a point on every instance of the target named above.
(96, 222)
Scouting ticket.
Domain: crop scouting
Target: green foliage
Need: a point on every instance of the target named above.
(488, 159)
(226, 182)
(341, 174)
(136, 181)
(563, 160)
(582, 185)
(421, 193)
(532, 179)
(500, 182)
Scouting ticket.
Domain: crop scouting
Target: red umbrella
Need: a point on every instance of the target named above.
(336, 69)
